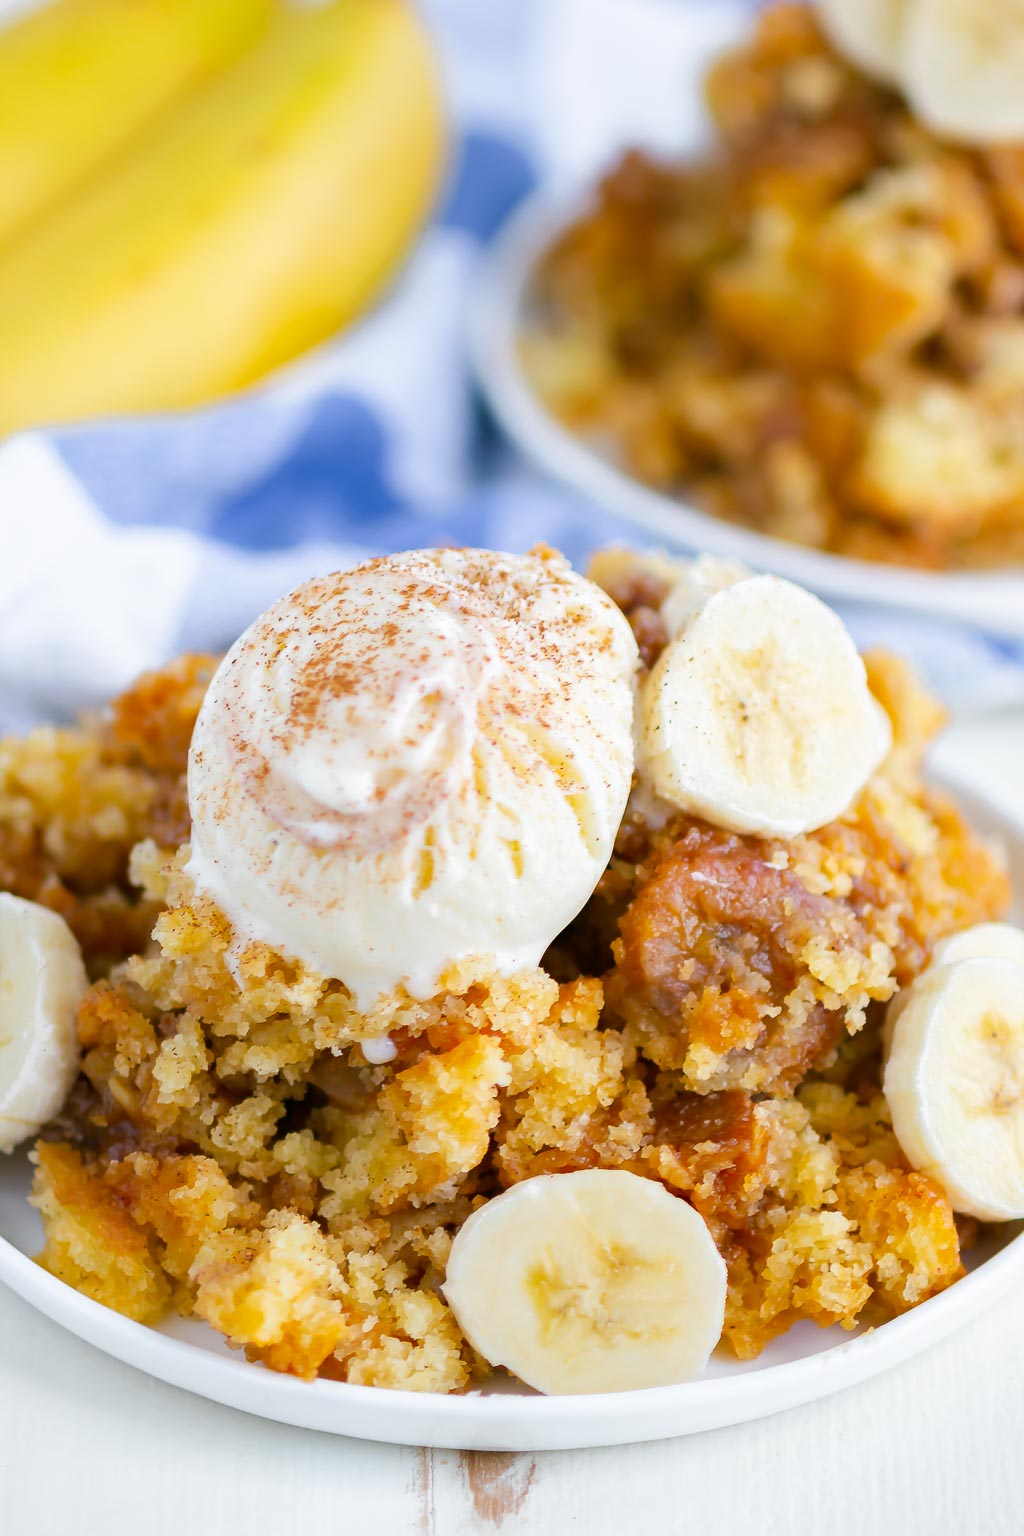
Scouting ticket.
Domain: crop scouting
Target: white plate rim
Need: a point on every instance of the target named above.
(514, 1422)
(994, 600)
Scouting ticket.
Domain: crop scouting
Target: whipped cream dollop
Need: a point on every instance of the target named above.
(415, 762)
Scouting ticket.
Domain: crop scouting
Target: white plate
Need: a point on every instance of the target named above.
(806, 1363)
(995, 600)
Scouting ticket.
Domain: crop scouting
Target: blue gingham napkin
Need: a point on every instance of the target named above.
(126, 541)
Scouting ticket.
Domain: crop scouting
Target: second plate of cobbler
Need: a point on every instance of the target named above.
(799, 343)
(493, 1006)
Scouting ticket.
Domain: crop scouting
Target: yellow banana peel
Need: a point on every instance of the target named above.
(253, 221)
(79, 79)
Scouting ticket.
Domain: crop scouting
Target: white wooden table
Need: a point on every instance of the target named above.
(935, 1448)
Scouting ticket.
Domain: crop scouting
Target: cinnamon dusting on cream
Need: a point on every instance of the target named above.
(419, 760)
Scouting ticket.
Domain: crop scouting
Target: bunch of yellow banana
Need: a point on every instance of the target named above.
(194, 191)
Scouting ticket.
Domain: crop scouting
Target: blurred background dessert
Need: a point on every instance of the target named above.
(815, 327)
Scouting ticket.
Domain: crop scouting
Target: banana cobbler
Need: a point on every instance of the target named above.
(565, 981)
(816, 328)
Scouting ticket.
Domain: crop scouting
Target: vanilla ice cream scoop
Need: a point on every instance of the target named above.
(418, 761)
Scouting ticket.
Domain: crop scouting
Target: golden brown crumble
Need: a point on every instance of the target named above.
(231, 1152)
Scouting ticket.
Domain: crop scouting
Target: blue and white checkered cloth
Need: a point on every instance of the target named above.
(126, 541)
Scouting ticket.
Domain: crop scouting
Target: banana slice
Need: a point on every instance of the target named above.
(962, 67)
(954, 1081)
(696, 581)
(1000, 940)
(758, 716)
(42, 981)
(598, 1281)
(867, 32)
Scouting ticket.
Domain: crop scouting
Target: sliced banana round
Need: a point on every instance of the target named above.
(954, 1081)
(696, 581)
(758, 716)
(1000, 940)
(42, 981)
(867, 32)
(597, 1281)
(962, 67)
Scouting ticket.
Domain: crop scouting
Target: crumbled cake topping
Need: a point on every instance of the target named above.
(249, 1145)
